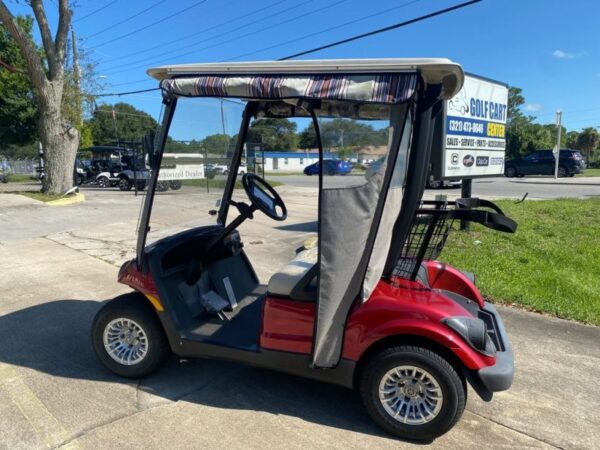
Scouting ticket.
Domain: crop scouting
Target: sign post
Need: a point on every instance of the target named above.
(557, 153)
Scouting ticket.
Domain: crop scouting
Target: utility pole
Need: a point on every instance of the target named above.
(559, 131)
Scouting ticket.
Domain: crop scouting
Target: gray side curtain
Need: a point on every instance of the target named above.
(348, 230)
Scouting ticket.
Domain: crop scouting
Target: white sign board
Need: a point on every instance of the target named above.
(474, 138)
(182, 172)
(181, 166)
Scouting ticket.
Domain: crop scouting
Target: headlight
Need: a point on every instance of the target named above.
(473, 331)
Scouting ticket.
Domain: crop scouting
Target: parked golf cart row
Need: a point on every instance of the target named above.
(113, 166)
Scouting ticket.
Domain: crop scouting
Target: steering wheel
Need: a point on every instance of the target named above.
(264, 197)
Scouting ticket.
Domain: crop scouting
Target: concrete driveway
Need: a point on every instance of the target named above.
(54, 394)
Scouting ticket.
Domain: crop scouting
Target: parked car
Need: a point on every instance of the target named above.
(241, 170)
(541, 162)
(433, 183)
(331, 167)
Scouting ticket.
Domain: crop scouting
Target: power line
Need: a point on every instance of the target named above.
(144, 61)
(96, 10)
(150, 25)
(382, 30)
(327, 30)
(205, 30)
(250, 33)
(344, 41)
(125, 20)
(119, 94)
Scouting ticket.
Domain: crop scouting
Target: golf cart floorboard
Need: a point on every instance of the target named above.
(241, 331)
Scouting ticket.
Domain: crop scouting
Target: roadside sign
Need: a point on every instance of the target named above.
(470, 141)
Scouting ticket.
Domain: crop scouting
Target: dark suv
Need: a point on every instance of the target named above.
(541, 162)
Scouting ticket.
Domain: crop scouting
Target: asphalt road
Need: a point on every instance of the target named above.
(488, 187)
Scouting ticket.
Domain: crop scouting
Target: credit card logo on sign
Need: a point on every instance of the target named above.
(482, 161)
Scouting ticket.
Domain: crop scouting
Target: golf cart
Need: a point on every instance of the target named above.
(368, 307)
(111, 166)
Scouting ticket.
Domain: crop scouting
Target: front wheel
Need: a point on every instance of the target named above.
(103, 182)
(175, 185)
(412, 393)
(562, 172)
(128, 337)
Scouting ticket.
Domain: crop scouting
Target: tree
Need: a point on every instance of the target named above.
(46, 72)
(588, 141)
(343, 134)
(18, 111)
(273, 134)
(571, 140)
(217, 144)
(126, 124)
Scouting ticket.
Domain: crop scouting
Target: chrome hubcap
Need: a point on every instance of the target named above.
(125, 341)
(410, 395)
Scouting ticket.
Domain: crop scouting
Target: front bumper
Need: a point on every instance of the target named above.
(498, 377)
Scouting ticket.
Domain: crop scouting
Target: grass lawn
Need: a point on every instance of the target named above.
(589, 173)
(42, 197)
(551, 264)
(19, 178)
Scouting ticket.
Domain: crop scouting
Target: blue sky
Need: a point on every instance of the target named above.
(549, 48)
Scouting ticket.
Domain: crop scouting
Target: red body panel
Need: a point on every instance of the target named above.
(443, 276)
(404, 308)
(132, 277)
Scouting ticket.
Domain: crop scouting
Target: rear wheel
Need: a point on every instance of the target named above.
(125, 184)
(562, 172)
(128, 338)
(412, 392)
(510, 172)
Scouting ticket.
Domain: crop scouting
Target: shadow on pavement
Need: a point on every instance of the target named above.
(302, 227)
(54, 338)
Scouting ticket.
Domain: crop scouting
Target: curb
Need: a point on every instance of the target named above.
(555, 183)
(77, 198)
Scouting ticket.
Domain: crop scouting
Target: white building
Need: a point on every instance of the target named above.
(290, 161)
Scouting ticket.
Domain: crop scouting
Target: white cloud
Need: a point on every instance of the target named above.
(561, 54)
(533, 107)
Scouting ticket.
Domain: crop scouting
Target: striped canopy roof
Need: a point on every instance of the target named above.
(384, 89)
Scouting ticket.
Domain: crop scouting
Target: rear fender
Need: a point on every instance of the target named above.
(130, 275)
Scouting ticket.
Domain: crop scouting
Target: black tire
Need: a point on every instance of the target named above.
(125, 184)
(162, 186)
(562, 172)
(135, 307)
(434, 184)
(175, 185)
(452, 386)
(510, 172)
(103, 182)
(571, 175)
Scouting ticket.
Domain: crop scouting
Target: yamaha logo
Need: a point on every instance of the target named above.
(468, 161)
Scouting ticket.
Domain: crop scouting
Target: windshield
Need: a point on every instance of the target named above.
(195, 164)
